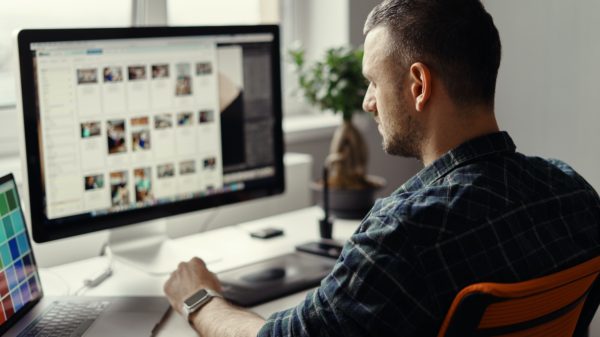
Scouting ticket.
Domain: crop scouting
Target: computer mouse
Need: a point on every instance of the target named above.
(265, 275)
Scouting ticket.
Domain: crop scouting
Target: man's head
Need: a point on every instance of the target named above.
(411, 45)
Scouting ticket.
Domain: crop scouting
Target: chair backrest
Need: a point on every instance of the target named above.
(548, 306)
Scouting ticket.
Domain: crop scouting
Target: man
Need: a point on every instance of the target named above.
(478, 211)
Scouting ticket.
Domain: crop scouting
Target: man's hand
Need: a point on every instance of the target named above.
(218, 318)
(189, 277)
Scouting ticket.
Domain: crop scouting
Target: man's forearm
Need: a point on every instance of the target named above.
(219, 318)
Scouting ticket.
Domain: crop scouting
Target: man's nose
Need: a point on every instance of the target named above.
(369, 103)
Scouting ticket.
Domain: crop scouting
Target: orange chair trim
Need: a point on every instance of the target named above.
(559, 327)
(523, 309)
(541, 284)
(525, 288)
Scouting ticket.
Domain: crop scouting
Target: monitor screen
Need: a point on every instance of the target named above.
(128, 125)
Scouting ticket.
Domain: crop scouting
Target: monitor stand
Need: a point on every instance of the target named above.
(147, 247)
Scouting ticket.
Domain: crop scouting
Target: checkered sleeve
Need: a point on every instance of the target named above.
(375, 289)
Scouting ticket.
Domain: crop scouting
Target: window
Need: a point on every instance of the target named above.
(15, 14)
(194, 12)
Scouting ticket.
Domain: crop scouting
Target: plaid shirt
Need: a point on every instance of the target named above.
(482, 212)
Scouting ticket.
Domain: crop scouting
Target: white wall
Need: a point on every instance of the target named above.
(359, 10)
(547, 95)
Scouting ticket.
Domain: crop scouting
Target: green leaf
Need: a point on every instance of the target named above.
(335, 82)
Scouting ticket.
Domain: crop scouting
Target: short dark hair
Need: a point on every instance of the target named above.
(457, 39)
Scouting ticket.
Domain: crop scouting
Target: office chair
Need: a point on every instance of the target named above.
(557, 305)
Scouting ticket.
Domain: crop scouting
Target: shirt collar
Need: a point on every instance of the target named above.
(494, 143)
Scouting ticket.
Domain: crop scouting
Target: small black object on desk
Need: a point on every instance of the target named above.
(266, 233)
(326, 246)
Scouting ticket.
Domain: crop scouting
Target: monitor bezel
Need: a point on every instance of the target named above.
(44, 229)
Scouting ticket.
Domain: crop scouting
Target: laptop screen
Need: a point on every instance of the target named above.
(19, 281)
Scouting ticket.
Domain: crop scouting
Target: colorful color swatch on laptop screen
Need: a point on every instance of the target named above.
(19, 282)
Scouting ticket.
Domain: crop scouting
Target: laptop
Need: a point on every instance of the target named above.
(25, 311)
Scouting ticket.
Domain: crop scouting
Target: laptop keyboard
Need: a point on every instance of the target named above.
(68, 319)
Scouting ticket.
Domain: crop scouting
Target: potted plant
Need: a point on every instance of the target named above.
(336, 83)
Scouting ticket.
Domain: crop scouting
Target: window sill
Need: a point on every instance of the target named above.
(309, 127)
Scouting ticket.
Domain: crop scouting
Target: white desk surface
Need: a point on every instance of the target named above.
(222, 249)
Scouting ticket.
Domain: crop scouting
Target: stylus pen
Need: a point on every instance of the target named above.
(326, 191)
(325, 224)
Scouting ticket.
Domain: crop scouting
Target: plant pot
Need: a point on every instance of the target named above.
(349, 203)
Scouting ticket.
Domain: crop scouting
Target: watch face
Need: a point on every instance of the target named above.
(197, 297)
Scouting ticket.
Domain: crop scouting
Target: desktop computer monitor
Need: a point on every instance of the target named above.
(126, 125)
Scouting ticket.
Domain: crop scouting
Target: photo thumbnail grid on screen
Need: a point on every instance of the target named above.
(185, 121)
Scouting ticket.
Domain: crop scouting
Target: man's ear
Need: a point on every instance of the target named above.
(420, 87)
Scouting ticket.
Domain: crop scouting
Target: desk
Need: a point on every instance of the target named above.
(223, 249)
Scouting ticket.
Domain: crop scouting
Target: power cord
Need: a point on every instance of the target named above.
(49, 271)
(93, 282)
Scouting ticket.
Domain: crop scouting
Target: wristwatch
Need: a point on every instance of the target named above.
(198, 300)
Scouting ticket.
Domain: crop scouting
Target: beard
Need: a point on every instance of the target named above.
(405, 138)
